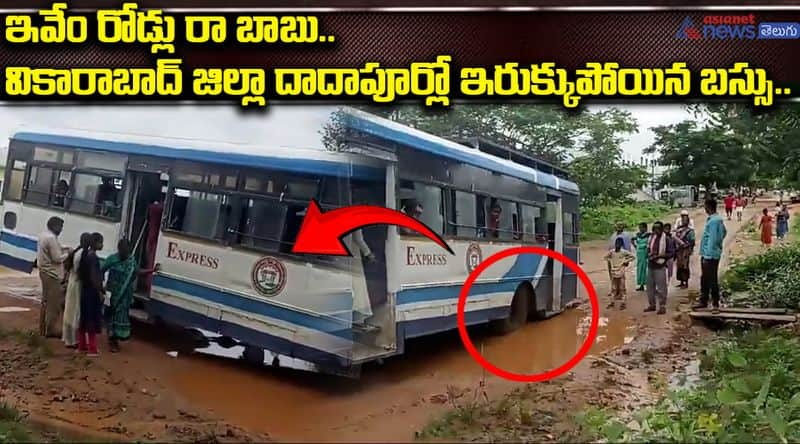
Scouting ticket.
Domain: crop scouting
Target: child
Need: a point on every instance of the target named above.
(739, 208)
(640, 241)
(766, 228)
(618, 260)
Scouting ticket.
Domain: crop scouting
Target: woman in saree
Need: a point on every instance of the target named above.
(684, 233)
(640, 241)
(122, 272)
(72, 296)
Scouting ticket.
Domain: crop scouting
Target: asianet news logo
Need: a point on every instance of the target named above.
(720, 27)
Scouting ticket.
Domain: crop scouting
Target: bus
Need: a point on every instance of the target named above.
(682, 197)
(221, 219)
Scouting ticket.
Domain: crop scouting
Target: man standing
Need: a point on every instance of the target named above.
(659, 250)
(49, 260)
(730, 201)
(710, 252)
(739, 208)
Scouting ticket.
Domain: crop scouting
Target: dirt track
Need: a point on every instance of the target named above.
(142, 393)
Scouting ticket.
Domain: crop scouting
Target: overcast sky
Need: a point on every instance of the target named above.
(227, 123)
(648, 116)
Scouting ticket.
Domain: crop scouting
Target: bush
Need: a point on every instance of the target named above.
(796, 226)
(767, 280)
(598, 222)
(749, 392)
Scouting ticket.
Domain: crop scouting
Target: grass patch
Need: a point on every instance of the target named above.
(12, 428)
(452, 423)
(795, 229)
(32, 339)
(599, 222)
(516, 417)
(766, 280)
(749, 392)
(752, 231)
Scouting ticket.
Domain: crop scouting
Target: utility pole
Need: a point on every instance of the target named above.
(653, 178)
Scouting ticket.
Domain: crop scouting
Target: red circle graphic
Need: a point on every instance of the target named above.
(537, 377)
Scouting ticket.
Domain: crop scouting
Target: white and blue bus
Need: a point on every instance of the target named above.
(221, 219)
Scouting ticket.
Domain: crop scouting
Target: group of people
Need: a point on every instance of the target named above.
(735, 203)
(781, 219)
(662, 252)
(74, 289)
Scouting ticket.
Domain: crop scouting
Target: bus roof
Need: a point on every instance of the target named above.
(420, 140)
(292, 143)
(288, 149)
(514, 154)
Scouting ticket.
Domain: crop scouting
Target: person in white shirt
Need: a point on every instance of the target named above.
(50, 258)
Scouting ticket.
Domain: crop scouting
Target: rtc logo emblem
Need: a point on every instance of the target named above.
(269, 276)
(474, 256)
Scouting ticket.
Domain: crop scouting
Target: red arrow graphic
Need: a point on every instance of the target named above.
(322, 233)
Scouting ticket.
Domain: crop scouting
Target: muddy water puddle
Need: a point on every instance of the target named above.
(390, 401)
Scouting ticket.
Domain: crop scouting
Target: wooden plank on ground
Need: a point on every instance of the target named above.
(743, 316)
(754, 310)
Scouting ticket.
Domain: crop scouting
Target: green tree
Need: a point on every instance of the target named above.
(586, 143)
(731, 145)
(701, 155)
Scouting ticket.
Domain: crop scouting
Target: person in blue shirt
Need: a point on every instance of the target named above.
(710, 252)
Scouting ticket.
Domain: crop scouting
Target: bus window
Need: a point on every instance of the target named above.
(101, 161)
(509, 220)
(255, 184)
(261, 224)
(96, 195)
(424, 203)
(198, 213)
(499, 218)
(530, 214)
(40, 183)
(336, 191)
(61, 189)
(302, 189)
(465, 214)
(571, 234)
(51, 155)
(16, 180)
(203, 176)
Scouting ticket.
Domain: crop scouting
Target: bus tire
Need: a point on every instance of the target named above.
(518, 315)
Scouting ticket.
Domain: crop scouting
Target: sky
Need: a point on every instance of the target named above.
(227, 123)
(647, 116)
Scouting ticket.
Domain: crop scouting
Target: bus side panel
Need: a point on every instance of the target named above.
(431, 282)
(543, 292)
(18, 246)
(569, 286)
(17, 243)
(285, 306)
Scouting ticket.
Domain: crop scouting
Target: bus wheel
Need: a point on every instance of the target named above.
(519, 312)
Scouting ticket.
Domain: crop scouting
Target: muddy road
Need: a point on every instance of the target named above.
(144, 390)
